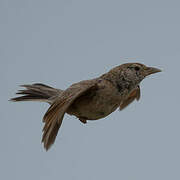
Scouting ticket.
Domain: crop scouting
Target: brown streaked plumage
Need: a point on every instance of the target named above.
(88, 100)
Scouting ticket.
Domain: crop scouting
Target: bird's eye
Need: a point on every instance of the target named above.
(137, 68)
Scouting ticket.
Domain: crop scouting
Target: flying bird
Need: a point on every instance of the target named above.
(89, 99)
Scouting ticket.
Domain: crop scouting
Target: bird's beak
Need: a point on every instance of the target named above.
(151, 70)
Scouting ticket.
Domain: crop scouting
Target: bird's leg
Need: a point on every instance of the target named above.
(83, 120)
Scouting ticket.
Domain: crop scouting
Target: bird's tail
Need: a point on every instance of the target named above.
(37, 92)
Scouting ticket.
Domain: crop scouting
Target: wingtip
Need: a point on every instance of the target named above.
(46, 145)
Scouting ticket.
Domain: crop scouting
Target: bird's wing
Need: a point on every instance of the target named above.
(135, 94)
(54, 116)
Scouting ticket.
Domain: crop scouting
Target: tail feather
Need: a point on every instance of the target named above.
(37, 92)
(41, 92)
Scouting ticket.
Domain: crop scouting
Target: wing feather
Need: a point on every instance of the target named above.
(54, 116)
(135, 94)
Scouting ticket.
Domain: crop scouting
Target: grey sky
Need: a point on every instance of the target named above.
(61, 42)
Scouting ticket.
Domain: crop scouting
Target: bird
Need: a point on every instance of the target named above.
(87, 100)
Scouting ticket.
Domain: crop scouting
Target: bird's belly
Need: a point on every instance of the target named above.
(93, 108)
(92, 111)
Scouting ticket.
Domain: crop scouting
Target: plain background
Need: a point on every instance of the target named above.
(60, 42)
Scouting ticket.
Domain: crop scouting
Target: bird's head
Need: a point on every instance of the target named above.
(130, 74)
(136, 71)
